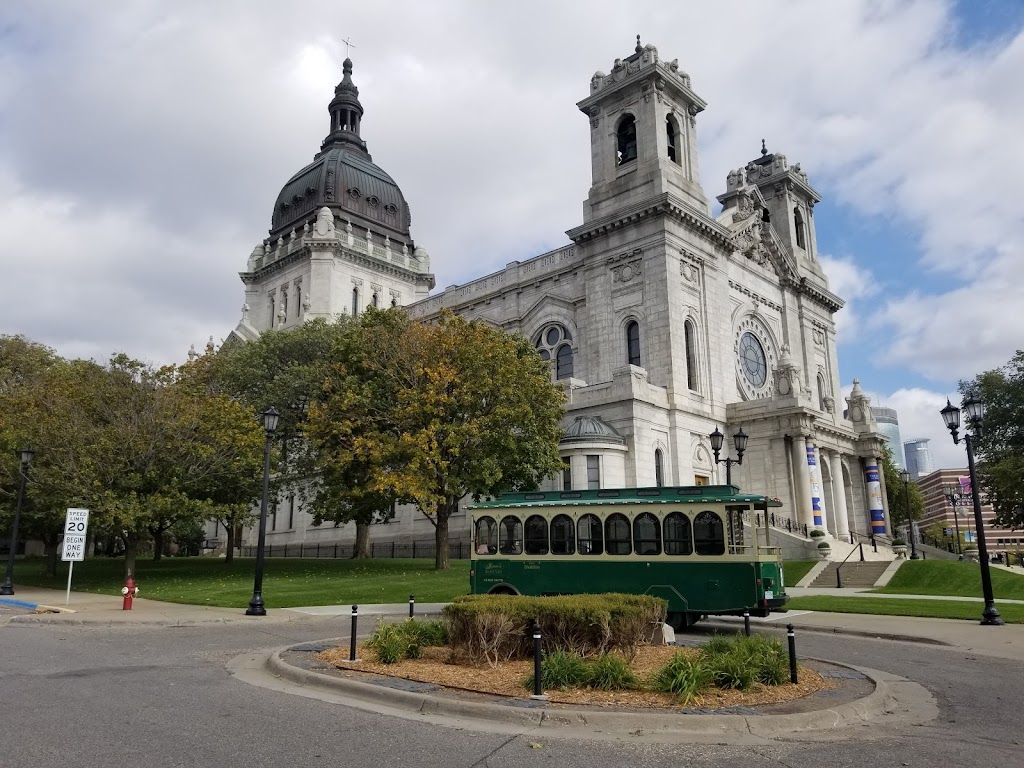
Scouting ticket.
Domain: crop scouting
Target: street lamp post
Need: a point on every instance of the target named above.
(955, 500)
(270, 417)
(905, 477)
(739, 441)
(7, 588)
(975, 410)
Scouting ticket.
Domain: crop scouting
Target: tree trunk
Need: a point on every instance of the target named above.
(131, 546)
(444, 511)
(361, 551)
(50, 550)
(229, 553)
(158, 544)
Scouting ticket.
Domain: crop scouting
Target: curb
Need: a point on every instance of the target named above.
(837, 631)
(893, 699)
(18, 603)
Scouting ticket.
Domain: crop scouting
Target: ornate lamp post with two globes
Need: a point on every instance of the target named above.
(256, 608)
(739, 441)
(975, 411)
(7, 588)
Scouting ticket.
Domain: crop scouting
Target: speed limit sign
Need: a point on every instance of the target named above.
(75, 526)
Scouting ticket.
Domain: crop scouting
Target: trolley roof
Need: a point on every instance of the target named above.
(687, 494)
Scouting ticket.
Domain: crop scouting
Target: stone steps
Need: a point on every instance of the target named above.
(854, 574)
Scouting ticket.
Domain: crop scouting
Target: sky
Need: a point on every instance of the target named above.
(143, 144)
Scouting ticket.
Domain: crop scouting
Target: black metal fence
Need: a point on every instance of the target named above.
(457, 550)
(782, 523)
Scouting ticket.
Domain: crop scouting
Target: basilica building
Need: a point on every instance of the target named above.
(664, 321)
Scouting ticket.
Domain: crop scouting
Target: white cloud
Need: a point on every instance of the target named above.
(853, 282)
(164, 132)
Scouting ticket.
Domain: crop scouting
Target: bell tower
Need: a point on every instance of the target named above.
(643, 139)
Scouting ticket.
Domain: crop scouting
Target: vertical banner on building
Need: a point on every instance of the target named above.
(875, 497)
(812, 471)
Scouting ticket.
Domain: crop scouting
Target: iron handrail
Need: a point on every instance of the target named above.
(860, 548)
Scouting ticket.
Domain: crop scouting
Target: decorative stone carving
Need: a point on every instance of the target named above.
(690, 272)
(324, 222)
(209, 346)
(192, 354)
(245, 314)
(786, 375)
(624, 273)
(819, 337)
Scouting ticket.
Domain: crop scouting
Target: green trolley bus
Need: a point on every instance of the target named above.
(684, 544)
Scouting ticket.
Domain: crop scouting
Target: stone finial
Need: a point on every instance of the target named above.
(764, 149)
(639, 48)
(192, 354)
(324, 222)
(369, 242)
(245, 313)
(209, 346)
(387, 247)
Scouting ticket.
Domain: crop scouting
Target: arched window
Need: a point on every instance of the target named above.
(672, 137)
(798, 223)
(690, 337)
(646, 535)
(536, 535)
(376, 300)
(510, 536)
(625, 137)
(616, 535)
(298, 301)
(394, 301)
(678, 536)
(272, 315)
(355, 302)
(633, 343)
(563, 538)
(708, 534)
(555, 343)
(588, 535)
(659, 472)
(486, 536)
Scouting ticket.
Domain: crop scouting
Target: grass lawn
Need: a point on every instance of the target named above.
(959, 578)
(794, 570)
(935, 609)
(286, 582)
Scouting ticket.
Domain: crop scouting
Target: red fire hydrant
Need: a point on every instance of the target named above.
(129, 590)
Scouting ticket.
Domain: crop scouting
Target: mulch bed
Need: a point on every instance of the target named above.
(507, 679)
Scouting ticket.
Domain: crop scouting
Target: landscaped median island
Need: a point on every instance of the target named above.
(597, 649)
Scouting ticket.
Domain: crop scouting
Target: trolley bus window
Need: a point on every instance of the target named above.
(563, 538)
(536, 535)
(510, 541)
(616, 535)
(486, 536)
(708, 534)
(589, 534)
(678, 536)
(646, 534)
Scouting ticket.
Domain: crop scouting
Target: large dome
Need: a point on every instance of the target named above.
(343, 177)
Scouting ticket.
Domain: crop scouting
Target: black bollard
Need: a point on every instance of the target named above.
(537, 690)
(792, 653)
(746, 623)
(412, 605)
(355, 620)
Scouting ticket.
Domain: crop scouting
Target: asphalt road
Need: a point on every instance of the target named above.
(160, 696)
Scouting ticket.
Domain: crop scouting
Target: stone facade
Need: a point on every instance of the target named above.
(661, 321)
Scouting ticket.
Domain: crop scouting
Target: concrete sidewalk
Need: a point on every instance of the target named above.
(866, 592)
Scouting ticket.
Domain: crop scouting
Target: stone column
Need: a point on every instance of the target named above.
(803, 481)
(885, 497)
(873, 487)
(817, 497)
(839, 496)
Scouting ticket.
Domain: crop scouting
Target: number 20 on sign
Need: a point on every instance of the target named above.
(75, 527)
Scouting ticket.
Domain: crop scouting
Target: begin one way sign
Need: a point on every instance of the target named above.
(75, 526)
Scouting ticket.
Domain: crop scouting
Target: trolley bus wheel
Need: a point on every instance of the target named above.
(682, 620)
(502, 591)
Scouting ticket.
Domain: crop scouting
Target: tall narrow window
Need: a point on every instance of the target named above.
(690, 335)
(272, 310)
(633, 343)
(659, 474)
(355, 302)
(291, 511)
(593, 472)
(394, 301)
(798, 223)
(563, 364)
(566, 474)
(298, 300)
(625, 136)
(672, 137)
(273, 517)
(376, 300)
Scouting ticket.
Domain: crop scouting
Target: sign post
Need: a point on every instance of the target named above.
(75, 526)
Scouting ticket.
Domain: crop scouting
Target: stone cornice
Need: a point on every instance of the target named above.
(336, 250)
(819, 295)
(665, 204)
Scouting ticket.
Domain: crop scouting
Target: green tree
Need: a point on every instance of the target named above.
(433, 413)
(1000, 445)
(896, 494)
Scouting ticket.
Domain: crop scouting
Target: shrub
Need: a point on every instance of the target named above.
(685, 676)
(611, 672)
(718, 644)
(426, 633)
(495, 627)
(817, 533)
(732, 670)
(389, 643)
(899, 541)
(739, 662)
(560, 669)
(824, 545)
